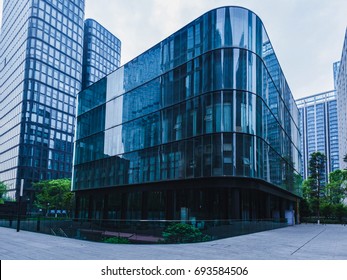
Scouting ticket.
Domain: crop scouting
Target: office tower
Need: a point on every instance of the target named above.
(40, 74)
(201, 126)
(336, 67)
(319, 130)
(342, 104)
(101, 52)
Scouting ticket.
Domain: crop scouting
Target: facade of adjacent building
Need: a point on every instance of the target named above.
(40, 74)
(101, 52)
(342, 104)
(46, 47)
(201, 126)
(319, 130)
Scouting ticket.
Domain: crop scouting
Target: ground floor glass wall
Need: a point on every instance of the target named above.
(248, 201)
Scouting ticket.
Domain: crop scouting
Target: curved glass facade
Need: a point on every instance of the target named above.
(209, 101)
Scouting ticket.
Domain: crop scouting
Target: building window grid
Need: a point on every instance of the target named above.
(122, 157)
(46, 99)
(170, 103)
(321, 111)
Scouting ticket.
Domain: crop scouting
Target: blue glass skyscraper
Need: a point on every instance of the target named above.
(101, 52)
(336, 67)
(40, 74)
(319, 130)
(341, 89)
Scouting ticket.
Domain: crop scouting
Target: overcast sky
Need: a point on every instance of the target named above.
(307, 35)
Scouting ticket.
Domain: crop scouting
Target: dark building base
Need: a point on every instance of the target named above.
(196, 199)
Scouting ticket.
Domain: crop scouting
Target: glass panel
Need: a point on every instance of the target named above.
(227, 111)
(227, 154)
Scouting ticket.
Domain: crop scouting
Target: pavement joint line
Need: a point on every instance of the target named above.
(308, 241)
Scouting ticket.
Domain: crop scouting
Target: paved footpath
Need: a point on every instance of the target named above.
(307, 242)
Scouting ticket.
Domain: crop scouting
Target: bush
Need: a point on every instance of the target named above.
(183, 233)
(340, 211)
(116, 240)
(327, 210)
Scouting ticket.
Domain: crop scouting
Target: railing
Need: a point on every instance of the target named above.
(138, 231)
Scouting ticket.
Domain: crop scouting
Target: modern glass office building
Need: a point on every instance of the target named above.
(336, 67)
(342, 104)
(40, 74)
(101, 52)
(201, 126)
(319, 130)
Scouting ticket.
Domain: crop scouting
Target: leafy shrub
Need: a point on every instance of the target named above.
(116, 240)
(340, 211)
(183, 233)
(327, 210)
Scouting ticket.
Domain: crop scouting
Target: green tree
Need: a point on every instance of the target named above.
(340, 211)
(327, 209)
(306, 189)
(54, 194)
(336, 189)
(306, 201)
(316, 180)
(3, 189)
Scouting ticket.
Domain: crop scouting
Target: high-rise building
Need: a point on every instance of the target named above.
(336, 67)
(201, 126)
(41, 46)
(101, 52)
(342, 104)
(319, 130)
